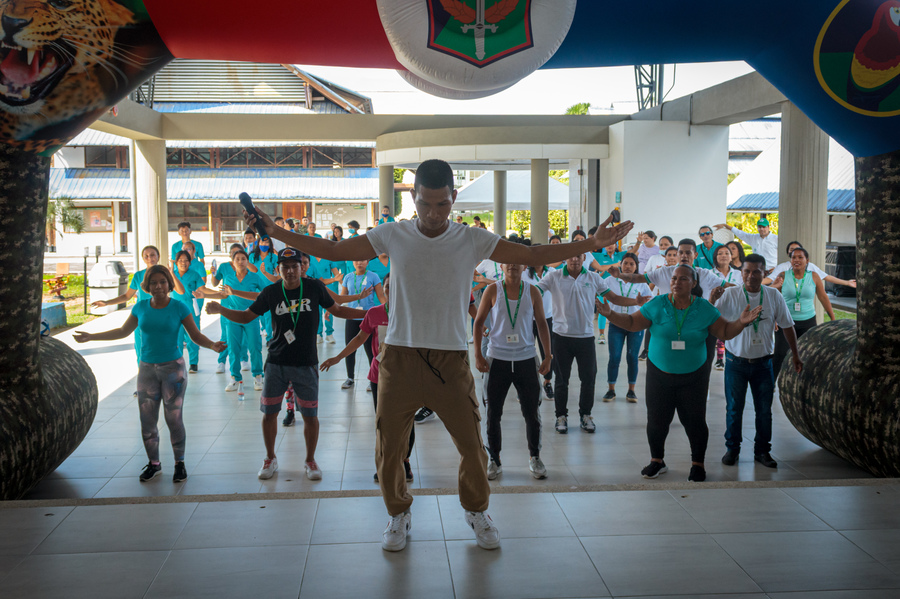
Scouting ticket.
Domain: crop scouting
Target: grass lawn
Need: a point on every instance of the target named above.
(74, 301)
(841, 315)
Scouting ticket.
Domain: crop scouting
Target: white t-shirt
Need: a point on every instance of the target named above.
(752, 343)
(629, 290)
(655, 262)
(431, 281)
(490, 269)
(662, 278)
(573, 300)
(546, 298)
(734, 276)
(786, 266)
(767, 246)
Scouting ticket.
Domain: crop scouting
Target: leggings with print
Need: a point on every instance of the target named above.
(162, 383)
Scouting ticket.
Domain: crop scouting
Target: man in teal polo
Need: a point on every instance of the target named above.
(706, 249)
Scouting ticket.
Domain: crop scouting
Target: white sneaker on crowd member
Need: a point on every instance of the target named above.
(220, 368)
(486, 534)
(347, 384)
(330, 338)
(258, 382)
(312, 471)
(320, 339)
(562, 425)
(268, 468)
(394, 537)
(233, 385)
(587, 424)
(424, 415)
(245, 366)
(494, 469)
(537, 468)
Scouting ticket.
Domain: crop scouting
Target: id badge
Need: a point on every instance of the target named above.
(289, 337)
(514, 338)
(755, 341)
(678, 345)
(797, 307)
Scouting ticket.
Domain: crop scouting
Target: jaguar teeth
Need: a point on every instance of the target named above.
(31, 53)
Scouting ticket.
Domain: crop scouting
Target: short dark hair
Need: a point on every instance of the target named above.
(185, 252)
(671, 248)
(476, 217)
(250, 232)
(593, 230)
(240, 251)
(754, 259)
(704, 227)
(552, 237)
(651, 234)
(183, 223)
(353, 224)
(578, 232)
(671, 241)
(687, 241)
(788, 246)
(434, 174)
(155, 269)
(235, 246)
(279, 218)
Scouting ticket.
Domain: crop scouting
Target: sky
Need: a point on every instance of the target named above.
(544, 92)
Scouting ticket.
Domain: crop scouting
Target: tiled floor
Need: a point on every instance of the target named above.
(751, 532)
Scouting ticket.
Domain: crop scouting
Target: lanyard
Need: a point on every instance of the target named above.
(798, 285)
(706, 255)
(295, 315)
(622, 291)
(728, 280)
(679, 324)
(497, 276)
(358, 285)
(512, 319)
(757, 319)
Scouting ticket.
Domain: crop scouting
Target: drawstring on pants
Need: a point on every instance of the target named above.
(434, 370)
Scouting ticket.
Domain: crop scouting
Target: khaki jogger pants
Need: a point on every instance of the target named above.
(441, 380)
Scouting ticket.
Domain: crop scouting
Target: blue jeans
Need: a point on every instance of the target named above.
(616, 340)
(759, 376)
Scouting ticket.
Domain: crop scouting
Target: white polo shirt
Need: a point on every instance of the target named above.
(490, 269)
(786, 266)
(629, 290)
(760, 342)
(662, 278)
(573, 300)
(767, 246)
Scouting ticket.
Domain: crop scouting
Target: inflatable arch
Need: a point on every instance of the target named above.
(63, 63)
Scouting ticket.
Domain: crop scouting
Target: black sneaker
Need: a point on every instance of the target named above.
(730, 457)
(631, 396)
(766, 460)
(408, 468)
(643, 356)
(698, 474)
(654, 469)
(180, 473)
(424, 415)
(288, 418)
(375, 478)
(548, 389)
(150, 472)
(720, 365)
(193, 369)
(610, 395)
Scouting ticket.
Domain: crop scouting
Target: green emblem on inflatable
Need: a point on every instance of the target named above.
(479, 32)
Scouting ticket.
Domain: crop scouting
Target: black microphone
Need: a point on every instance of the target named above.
(247, 203)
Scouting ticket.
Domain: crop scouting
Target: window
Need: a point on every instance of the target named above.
(196, 213)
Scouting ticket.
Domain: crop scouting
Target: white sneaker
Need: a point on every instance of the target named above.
(319, 339)
(312, 471)
(369, 388)
(220, 368)
(232, 386)
(486, 534)
(587, 424)
(258, 383)
(268, 468)
(471, 340)
(329, 339)
(245, 366)
(494, 469)
(347, 384)
(537, 468)
(562, 425)
(601, 340)
(394, 537)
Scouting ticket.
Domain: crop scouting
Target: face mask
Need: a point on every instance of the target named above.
(352, 231)
(263, 248)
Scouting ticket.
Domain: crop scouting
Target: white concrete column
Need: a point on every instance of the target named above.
(385, 189)
(803, 191)
(151, 213)
(540, 200)
(500, 203)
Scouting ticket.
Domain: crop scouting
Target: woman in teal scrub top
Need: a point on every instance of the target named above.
(677, 379)
(187, 281)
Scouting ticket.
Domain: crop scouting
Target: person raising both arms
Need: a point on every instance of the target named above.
(786, 266)
(424, 361)
(161, 376)
(677, 379)
(763, 242)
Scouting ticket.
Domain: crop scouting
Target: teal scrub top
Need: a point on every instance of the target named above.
(199, 255)
(159, 330)
(663, 331)
(321, 269)
(191, 282)
(136, 281)
(805, 289)
(251, 282)
(378, 268)
(385, 219)
(604, 259)
(706, 258)
(271, 261)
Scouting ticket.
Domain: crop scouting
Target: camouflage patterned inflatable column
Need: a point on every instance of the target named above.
(847, 399)
(48, 395)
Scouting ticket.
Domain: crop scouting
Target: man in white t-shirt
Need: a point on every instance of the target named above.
(425, 357)
(748, 359)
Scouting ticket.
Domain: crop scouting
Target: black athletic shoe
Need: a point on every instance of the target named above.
(424, 415)
(180, 473)
(193, 369)
(631, 396)
(654, 469)
(609, 396)
(643, 356)
(698, 474)
(730, 457)
(375, 478)
(408, 468)
(150, 472)
(548, 389)
(720, 365)
(288, 418)
(766, 460)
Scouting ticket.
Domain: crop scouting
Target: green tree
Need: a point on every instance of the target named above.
(520, 222)
(398, 195)
(746, 221)
(580, 108)
(62, 215)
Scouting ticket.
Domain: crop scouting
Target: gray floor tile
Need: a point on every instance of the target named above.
(530, 515)
(689, 563)
(272, 572)
(883, 545)
(805, 561)
(131, 486)
(365, 569)
(728, 596)
(524, 568)
(747, 510)
(220, 484)
(66, 488)
(286, 481)
(122, 575)
(249, 524)
(854, 594)
(626, 513)
(89, 467)
(21, 530)
(363, 519)
(850, 508)
(91, 529)
(7, 564)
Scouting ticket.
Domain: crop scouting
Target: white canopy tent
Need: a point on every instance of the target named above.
(478, 195)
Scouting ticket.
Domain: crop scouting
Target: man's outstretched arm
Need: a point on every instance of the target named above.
(354, 248)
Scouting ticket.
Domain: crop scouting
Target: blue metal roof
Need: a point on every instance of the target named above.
(839, 200)
(204, 184)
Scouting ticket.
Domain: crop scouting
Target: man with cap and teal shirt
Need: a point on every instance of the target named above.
(763, 243)
(706, 249)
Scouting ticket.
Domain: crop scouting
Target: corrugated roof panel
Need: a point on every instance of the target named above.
(232, 107)
(226, 81)
(91, 137)
(839, 200)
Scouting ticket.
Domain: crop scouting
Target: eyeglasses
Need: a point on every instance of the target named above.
(707, 234)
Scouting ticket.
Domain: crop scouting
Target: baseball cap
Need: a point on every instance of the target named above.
(289, 254)
(762, 222)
